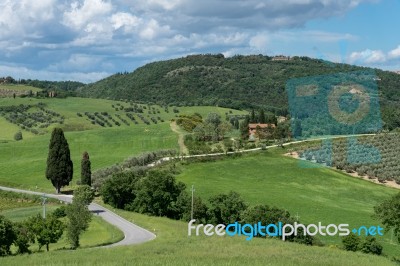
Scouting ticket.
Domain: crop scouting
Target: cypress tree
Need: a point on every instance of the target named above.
(261, 117)
(59, 165)
(86, 173)
(253, 117)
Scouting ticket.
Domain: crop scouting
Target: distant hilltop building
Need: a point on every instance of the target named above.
(281, 58)
(397, 72)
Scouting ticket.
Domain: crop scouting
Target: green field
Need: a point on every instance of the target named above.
(99, 232)
(173, 247)
(23, 163)
(313, 194)
(18, 87)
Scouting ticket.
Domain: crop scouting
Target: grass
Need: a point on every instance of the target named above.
(314, 194)
(23, 163)
(18, 87)
(99, 232)
(173, 247)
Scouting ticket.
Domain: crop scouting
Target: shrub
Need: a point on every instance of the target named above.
(18, 136)
(351, 242)
(370, 245)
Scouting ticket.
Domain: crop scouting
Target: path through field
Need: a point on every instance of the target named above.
(182, 147)
(133, 233)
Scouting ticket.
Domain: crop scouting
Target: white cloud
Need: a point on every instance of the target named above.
(395, 53)
(24, 18)
(368, 56)
(259, 42)
(27, 73)
(152, 29)
(125, 20)
(81, 14)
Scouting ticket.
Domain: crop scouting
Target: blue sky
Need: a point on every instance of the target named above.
(87, 40)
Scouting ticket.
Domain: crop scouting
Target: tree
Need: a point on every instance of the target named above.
(47, 230)
(370, 245)
(389, 213)
(59, 165)
(351, 242)
(253, 116)
(83, 195)
(119, 190)
(86, 173)
(78, 214)
(157, 193)
(184, 204)
(297, 131)
(261, 117)
(18, 136)
(79, 217)
(7, 236)
(25, 236)
(226, 208)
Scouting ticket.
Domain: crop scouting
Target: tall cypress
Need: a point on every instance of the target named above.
(261, 117)
(59, 165)
(86, 173)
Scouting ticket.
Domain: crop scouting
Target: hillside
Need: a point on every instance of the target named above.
(241, 82)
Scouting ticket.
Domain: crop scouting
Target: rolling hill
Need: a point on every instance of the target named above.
(241, 82)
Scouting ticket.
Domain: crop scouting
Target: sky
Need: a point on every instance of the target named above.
(87, 40)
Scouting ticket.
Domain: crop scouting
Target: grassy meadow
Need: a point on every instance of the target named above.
(23, 163)
(174, 247)
(313, 194)
(99, 232)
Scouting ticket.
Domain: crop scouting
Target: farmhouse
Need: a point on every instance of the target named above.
(281, 58)
(253, 127)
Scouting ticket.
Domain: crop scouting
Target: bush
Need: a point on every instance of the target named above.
(370, 245)
(59, 212)
(351, 242)
(18, 136)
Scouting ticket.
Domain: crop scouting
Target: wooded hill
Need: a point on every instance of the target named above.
(242, 82)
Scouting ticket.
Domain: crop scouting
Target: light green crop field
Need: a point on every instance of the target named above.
(23, 163)
(174, 247)
(314, 194)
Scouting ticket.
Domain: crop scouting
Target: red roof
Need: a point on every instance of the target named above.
(254, 126)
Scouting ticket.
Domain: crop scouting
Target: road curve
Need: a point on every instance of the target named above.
(133, 233)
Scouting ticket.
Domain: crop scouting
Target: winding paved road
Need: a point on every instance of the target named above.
(133, 233)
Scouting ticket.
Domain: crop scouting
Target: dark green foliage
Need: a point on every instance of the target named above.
(78, 214)
(47, 230)
(156, 194)
(241, 82)
(25, 237)
(351, 242)
(86, 172)
(184, 205)
(389, 213)
(60, 212)
(83, 195)
(18, 136)
(261, 117)
(59, 165)
(370, 245)
(119, 190)
(7, 236)
(79, 217)
(226, 208)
